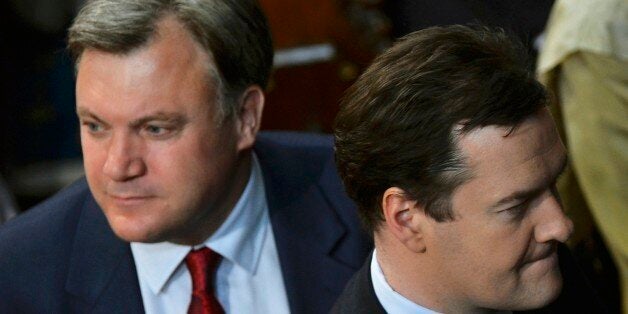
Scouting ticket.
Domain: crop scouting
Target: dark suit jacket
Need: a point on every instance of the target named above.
(62, 256)
(577, 295)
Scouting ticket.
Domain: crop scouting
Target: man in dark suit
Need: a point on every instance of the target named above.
(184, 206)
(448, 148)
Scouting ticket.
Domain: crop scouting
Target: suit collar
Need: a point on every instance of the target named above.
(359, 295)
(307, 229)
(101, 270)
(292, 184)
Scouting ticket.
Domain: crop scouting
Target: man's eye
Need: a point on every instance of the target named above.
(153, 129)
(93, 127)
(158, 131)
(517, 210)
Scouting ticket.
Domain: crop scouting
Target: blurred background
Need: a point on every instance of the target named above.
(321, 48)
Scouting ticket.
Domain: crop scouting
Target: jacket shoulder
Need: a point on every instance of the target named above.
(294, 159)
(35, 246)
(302, 140)
(45, 217)
(317, 148)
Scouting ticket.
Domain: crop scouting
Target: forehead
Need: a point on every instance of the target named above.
(503, 162)
(171, 65)
(171, 44)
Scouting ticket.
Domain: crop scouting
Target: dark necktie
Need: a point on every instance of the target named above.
(202, 264)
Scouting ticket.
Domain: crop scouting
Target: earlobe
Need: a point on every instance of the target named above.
(250, 116)
(404, 219)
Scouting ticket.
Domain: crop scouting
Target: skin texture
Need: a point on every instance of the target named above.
(499, 253)
(156, 160)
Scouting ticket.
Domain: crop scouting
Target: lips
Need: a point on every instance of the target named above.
(542, 256)
(129, 200)
(128, 193)
(128, 197)
(543, 262)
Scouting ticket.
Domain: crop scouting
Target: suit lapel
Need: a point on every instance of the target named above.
(359, 295)
(102, 274)
(307, 232)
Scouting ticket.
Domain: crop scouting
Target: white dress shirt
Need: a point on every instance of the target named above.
(391, 300)
(248, 279)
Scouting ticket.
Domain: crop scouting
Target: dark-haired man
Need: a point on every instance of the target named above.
(184, 208)
(447, 146)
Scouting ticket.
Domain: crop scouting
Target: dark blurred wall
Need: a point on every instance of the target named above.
(37, 123)
(525, 18)
(38, 88)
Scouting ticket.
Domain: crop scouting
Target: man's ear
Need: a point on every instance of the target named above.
(250, 116)
(405, 219)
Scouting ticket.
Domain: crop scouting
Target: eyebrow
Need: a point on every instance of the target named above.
(173, 118)
(169, 117)
(83, 112)
(526, 194)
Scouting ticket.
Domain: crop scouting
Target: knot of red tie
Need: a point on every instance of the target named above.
(202, 264)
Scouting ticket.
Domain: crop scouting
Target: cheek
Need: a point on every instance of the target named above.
(187, 168)
(504, 248)
(178, 160)
(94, 158)
(481, 251)
(502, 257)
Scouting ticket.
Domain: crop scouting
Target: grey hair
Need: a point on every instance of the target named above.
(234, 33)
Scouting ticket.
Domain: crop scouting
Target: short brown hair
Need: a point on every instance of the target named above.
(399, 122)
(234, 33)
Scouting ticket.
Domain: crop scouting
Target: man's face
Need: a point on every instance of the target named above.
(500, 251)
(155, 159)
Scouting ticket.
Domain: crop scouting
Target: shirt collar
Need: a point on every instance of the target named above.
(239, 239)
(391, 300)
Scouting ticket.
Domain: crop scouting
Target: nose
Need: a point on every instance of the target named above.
(553, 224)
(124, 161)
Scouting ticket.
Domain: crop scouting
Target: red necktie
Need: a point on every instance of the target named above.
(202, 265)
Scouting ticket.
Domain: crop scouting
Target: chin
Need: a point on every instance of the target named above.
(540, 294)
(134, 235)
(130, 230)
(551, 294)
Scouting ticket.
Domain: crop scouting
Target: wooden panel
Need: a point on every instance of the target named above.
(305, 96)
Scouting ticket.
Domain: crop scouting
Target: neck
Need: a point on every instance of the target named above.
(412, 275)
(416, 278)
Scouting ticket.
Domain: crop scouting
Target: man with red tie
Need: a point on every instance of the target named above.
(184, 207)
